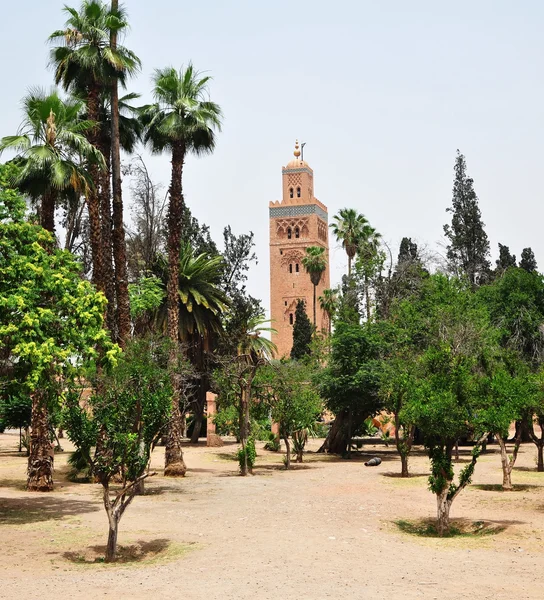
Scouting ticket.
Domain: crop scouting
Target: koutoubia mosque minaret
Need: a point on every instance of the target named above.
(298, 221)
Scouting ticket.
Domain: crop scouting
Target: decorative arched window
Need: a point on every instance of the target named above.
(290, 267)
(290, 192)
(291, 319)
(297, 232)
(296, 267)
(289, 233)
(298, 192)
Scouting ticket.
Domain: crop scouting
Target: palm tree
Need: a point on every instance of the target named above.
(86, 64)
(368, 251)
(254, 350)
(182, 121)
(329, 304)
(315, 264)
(53, 152)
(348, 228)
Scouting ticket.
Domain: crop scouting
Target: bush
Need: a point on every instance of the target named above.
(250, 452)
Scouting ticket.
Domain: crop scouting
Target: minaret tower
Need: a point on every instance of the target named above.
(300, 220)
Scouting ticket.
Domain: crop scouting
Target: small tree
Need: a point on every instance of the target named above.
(315, 264)
(294, 403)
(118, 428)
(302, 332)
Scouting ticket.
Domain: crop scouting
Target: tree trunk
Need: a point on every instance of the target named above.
(507, 462)
(350, 425)
(41, 457)
(93, 203)
(443, 506)
(315, 312)
(336, 441)
(108, 274)
(111, 548)
(367, 299)
(540, 459)
(288, 452)
(174, 464)
(539, 442)
(47, 211)
(119, 245)
(404, 465)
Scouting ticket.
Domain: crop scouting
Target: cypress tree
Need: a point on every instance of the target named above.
(302, 332)
(505, 260)
(468, 249)
(528, 260)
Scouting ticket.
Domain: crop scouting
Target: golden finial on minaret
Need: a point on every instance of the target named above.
(297, 150)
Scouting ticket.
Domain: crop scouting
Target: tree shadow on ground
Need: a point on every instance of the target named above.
(18, 511)
(139, 551)
(201, 470)
(397, 475)
(529, 470)
(497, 487)
(458, 527)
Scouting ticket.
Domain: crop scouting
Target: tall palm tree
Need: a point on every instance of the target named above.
(368, 250)
(347, 227)
(182, 121)
(53, 151)
(85, 63)
(315, 264)
(329, 304)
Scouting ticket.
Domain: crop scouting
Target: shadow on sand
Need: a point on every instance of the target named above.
(18, 511)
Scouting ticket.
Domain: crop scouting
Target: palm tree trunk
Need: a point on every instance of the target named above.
(40, 459)
(315, 318)
(349, 266)
(106, 233)
(119, 246)
(47, 216)
(367, 298)
(174, 463)
(93, 203)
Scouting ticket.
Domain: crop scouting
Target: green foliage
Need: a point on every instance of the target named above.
(50, 319)
(315, 263)
(468, 249)
(146, 295)
(118, 427)
(302, 332)
(248, 451)
(505, 260)
(352, 378)
(12, 204)
(15, 411)
(528, 260)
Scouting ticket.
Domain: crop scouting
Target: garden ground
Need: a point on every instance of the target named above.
(326, 529)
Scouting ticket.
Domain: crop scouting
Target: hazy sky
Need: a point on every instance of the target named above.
(383, 92)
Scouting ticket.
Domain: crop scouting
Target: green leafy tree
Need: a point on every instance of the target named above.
(302, 332)
(528, 260)
(350, 382)
(182, 121)
(315, 264)
(52, 152)
(117, 430)
(505, 260)
(50, 325)
(369, 262)
(294, 402)
(451, 336)
(468, 248)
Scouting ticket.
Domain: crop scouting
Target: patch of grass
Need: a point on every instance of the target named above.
(427, 528)
(152, 552)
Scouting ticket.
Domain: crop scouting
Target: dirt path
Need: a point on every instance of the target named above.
(323, 530)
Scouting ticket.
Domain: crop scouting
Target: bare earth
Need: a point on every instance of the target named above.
(324, 530)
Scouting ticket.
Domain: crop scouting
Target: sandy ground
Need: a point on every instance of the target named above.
(326, 529)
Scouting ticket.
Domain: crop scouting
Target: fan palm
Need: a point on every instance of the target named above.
(315, 264)
(85, 63)
(182, 121)
(53, 151)
(329, 304)
(252, 344)
(368, 251)
(347, 227)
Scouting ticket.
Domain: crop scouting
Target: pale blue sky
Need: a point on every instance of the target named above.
(383, 92)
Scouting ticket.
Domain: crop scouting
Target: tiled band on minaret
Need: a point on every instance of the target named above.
(300, 220)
